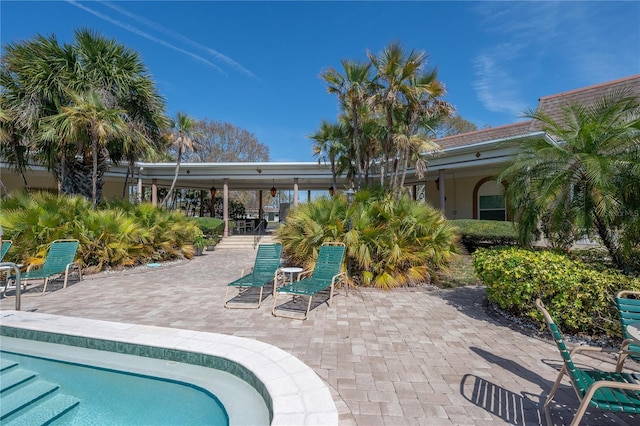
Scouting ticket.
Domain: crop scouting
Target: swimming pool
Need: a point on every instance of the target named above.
(78, 394)
(288, 389)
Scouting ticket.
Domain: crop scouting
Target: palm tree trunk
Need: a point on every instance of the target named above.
(169, 196)
(608, 240)
(94, 175)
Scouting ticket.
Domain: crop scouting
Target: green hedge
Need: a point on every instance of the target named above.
(578, 296)
(210, 226)
(485, 233)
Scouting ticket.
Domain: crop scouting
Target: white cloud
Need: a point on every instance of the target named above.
(167, 31)
(145, 35)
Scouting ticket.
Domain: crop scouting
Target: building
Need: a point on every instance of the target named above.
(461, 182)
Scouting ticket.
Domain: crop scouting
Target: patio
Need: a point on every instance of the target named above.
(412, 356)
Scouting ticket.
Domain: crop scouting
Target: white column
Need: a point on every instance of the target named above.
(442, 197)
(154, 192)
(225, 206)
(295, 191)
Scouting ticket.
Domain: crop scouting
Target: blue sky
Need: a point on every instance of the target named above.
(257, 64)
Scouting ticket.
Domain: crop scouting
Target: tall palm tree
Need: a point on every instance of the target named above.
(328, 146)
(395, 70)
(39, 77)
(91, 124)
(353, 90)
(183, 134)
(576, 176)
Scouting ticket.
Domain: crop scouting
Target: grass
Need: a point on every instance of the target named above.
(460, 274)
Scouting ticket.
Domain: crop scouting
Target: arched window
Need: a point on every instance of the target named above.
(490, 200)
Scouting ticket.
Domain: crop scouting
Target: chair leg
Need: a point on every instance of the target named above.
(308, 308)
(554, 389)
(581, 410)
(275, 299)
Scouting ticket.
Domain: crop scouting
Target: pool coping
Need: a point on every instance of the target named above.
(293, 392)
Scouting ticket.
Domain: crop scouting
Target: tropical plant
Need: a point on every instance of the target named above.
(353, 89)
(328, 146)
(182, 138)
(86, 119)
(390, 242)
(40, 77)
(113, 235)
(578, 177)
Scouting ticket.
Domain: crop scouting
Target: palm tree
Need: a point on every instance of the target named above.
(576, 175)
(87, 120)
(39, 78)
(353, 90)
(328, 146)
(395, 70)
(182, 137)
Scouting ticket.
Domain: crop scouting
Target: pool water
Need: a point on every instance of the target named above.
(114, 397)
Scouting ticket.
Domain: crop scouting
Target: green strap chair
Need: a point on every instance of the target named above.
(326, 273)
(611, 391)
(60, 260)
(5, 248)
(265, 269)
(629, 312)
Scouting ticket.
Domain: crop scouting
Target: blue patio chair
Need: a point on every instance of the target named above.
(5, 248)
(629, 312)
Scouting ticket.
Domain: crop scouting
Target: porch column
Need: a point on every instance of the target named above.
(308, 195)
(442, 197)
(295, 191)
(154, 192)
(139, 189)
(225, 206)
(260, 207)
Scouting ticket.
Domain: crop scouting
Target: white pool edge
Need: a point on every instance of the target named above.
(298, 395)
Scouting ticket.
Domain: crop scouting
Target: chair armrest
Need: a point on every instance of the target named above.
(338, 277)
(246, 271)
(34, 266)
(578, 349)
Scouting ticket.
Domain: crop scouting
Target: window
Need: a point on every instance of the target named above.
(491, 207)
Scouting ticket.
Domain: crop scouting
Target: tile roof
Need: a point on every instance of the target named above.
(485, 135)
(551, 105)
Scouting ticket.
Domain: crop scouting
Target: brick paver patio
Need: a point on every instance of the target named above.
(411, 356)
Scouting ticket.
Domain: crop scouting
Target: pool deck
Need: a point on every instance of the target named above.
(411, 356)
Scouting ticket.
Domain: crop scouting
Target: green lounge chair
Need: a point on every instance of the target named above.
(60, 260)
(612, 391)
(5, 248)
(325, 274)
(265, 269)
(629, 312)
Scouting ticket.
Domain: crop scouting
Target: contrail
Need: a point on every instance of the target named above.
(179, 36)
(145, 35)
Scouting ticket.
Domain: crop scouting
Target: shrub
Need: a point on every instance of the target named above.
(485, 233)
(113, 235)
(578, 296)
(211, 227)
(390, 242)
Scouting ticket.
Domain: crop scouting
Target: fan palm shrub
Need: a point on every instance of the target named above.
(390, 242)
(114, 235)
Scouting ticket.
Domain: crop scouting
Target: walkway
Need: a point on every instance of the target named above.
(411, 356)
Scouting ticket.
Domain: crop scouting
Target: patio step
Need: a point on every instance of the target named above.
(243, 242)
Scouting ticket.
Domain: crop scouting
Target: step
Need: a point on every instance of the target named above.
(6, 364)
(45, 411)
(24, 396)
(14, 377)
